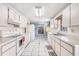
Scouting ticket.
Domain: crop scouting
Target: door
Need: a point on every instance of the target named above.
(39, 30)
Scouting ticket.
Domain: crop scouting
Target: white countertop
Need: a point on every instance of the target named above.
(70, 40)
(6, 40)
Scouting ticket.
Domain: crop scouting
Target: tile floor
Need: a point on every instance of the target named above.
(36, 48)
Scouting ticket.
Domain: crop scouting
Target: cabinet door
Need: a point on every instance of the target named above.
(7, 46)
(10, 52)
(0, 50)
(64, 52)
(75, 14)
(3, 15)
(13, 51)
(66, 17)
(57, 48)
(53, 43)
(67, 46)
(13, 16)
(49, 39)
(23, 21)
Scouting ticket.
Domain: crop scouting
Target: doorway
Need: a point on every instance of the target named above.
(39, 30)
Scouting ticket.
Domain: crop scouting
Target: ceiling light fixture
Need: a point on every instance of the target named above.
(39, 10)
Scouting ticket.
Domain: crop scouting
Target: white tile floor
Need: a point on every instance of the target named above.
(36, 48)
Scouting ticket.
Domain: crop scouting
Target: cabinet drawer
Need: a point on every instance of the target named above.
(57, 49)
(10, 52)
(67, 46)
(64, 52)
(57, 40)
(7, 46)
(53, 43)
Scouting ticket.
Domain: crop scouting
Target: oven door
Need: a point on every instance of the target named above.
(19, 44)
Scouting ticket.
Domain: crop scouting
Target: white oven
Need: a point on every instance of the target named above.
(20, 43)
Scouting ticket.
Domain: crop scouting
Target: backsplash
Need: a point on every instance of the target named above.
(75, 29)
(10, 31)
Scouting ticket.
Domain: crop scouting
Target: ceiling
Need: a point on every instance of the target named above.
(50, 9)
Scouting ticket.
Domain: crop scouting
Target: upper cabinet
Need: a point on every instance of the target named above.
(13, 17)
(23, 21)
(3, 15)
(63, 19)
(74, 14)
(66, 17)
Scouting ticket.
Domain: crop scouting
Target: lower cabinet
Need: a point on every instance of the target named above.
(10, 52)
(49, 39)
(67, 46)
(8, 46)
(9, 49)
(53, 46)
(57, 48)
(61, 48)
(0, 50)
(64, 52)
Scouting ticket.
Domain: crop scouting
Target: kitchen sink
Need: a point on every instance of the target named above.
(59, 34)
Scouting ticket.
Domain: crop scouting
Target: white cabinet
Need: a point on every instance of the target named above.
(57, 48)
(67, 46)
(66, 17)
(3, 15)
(53, 43)
(13, 17)
(66, 49)
(32, 31)
(75, 14)
(7, 46)
(9, 49)
(23, 21)
(49, 39)
(10, 52)
(64, 52)
(0, 50)
(62, 48)
(76, 53)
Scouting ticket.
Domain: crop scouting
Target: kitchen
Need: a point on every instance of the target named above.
(60, 28)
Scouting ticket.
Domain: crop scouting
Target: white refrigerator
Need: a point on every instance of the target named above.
(32, 31)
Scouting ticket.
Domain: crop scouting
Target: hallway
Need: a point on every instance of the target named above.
(39, 29)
